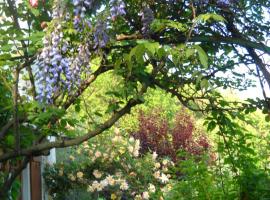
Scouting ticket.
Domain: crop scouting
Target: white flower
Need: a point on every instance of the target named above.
(145, 195)
(136, 153)
(97, 173)
(110, 180)
(131, 139)
(157, 174)
(104, 183)
(96, 185)
(154, 155)
(137, 145)
(163, 178)
(151, 188)
(124, 185)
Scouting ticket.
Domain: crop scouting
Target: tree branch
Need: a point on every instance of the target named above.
(39, 148)
(11, 178)
(15, 112)
(202, 38)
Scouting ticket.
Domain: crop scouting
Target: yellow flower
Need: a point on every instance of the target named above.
(79, 174)
(130, 149)
(157, 165)
(138, 197)
(90, 188)
(61, 172)
(132, 174)
(110, 180)
(157, 174)
(121, 150)
(71, 158)
(124, 185)
(78, 151)
(165, 162)
(113, 196)
(71, 177)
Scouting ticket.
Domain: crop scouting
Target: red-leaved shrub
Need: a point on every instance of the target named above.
(156, 134)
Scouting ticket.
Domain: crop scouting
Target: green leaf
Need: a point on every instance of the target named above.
(204, 83)
(202, 55)
(211, 126)
(161, 24)
(208, 16)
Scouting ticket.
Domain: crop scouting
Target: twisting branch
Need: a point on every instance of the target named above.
(11, 178)
(13, 11)
(85, 85)
(6, 127)
(39, 148)
(15, 112)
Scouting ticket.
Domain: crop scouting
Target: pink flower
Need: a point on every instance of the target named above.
(33, 3)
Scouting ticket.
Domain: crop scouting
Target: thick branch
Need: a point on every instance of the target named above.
(5, 188)
(260, 65)
(202, 38)
(37, 149)
(15, 113)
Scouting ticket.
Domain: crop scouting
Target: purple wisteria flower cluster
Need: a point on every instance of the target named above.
(147, 19)
(56, 71)
(80, 8)
(60, 65)
(101, 37)
(117, 8)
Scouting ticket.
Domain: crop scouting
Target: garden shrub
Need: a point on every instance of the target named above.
(158, 134)
(109, 167)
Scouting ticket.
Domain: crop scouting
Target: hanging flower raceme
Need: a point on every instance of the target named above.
(101, 37)
(117, 8)
(80, 8)
(51, 65)
(147, 19)
(57, 72)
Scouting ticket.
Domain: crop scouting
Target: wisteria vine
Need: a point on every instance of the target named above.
(60, 64)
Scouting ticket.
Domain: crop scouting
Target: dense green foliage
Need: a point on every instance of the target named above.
(74, 69)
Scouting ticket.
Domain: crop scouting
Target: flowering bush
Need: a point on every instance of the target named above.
(110, 167)
(156, 134)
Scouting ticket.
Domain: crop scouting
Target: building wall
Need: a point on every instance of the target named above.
(33, 186)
